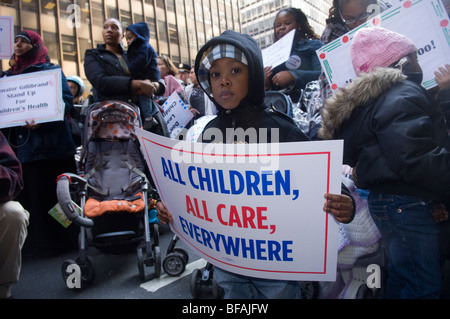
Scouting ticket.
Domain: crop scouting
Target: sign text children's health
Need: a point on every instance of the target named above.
(30, 97)
(248, 217)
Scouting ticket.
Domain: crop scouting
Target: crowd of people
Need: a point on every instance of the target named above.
(396, 134)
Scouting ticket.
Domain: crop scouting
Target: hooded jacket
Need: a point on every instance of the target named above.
(394, 136)
(251, 112)
(443, 98)
(141, 55)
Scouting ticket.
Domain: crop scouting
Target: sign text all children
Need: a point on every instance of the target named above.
(255, 210)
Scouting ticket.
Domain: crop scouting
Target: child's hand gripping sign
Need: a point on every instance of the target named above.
(252, 209)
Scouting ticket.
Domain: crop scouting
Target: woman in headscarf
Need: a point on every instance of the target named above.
(45, 150)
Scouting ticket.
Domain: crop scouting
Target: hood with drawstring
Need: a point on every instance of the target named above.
(252, 57)
(251, 111)
(140, 54)
(141, 30)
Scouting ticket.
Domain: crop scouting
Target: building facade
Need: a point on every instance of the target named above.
(178, 28)
(258, 16)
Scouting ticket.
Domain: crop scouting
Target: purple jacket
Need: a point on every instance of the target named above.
(10, 172)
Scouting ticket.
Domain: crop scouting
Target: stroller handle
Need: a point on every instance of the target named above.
(65, 201)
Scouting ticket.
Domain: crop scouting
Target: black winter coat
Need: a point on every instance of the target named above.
(141, 55)
(394, 135)
(108, 78)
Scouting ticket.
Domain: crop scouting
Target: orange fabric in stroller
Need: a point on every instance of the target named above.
(95, 208)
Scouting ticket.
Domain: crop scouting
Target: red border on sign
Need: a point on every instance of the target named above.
(328, 154)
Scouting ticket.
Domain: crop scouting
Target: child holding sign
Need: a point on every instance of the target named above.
(303, 64)
(230, 71)
(396, 140)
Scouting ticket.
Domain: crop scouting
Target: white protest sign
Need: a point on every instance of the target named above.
(6, 37)
(425, 22)
(176, 114)
(278, 52)
(252, 209)
(32, 96)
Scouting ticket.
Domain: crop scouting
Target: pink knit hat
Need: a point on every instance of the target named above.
(378, 47)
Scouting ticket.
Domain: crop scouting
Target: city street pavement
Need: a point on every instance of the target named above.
(116, 277)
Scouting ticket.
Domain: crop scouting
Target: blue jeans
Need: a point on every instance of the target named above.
(147, 107)
(411, 241)
(243, 287)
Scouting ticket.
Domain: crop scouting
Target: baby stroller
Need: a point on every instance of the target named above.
(115, 196)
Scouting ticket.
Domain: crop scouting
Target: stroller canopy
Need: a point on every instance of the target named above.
(111, 120)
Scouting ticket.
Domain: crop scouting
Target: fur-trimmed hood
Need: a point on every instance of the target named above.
(368, 86)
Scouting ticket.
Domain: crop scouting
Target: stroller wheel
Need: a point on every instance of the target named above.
(203, 284)
(365, 292)
(196, 278)
(216, 290)
(141, 266)
(145, 259)
(183, 253)
(87, 271)
(309, 289)
(157, 256)
(174, 264)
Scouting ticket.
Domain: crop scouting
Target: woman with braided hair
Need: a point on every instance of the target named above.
(303, 65)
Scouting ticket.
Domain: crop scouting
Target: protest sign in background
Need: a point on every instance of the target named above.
(279, 51)
(176, 113)
(33, 96)
(252, 209)
(425, 22)
(6, 37)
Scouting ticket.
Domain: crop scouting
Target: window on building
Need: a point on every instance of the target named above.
(163, 40)
(160, 4)
(111, 9)
(52, 43)
(29, 16)
(170, 5)
(69, 48)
